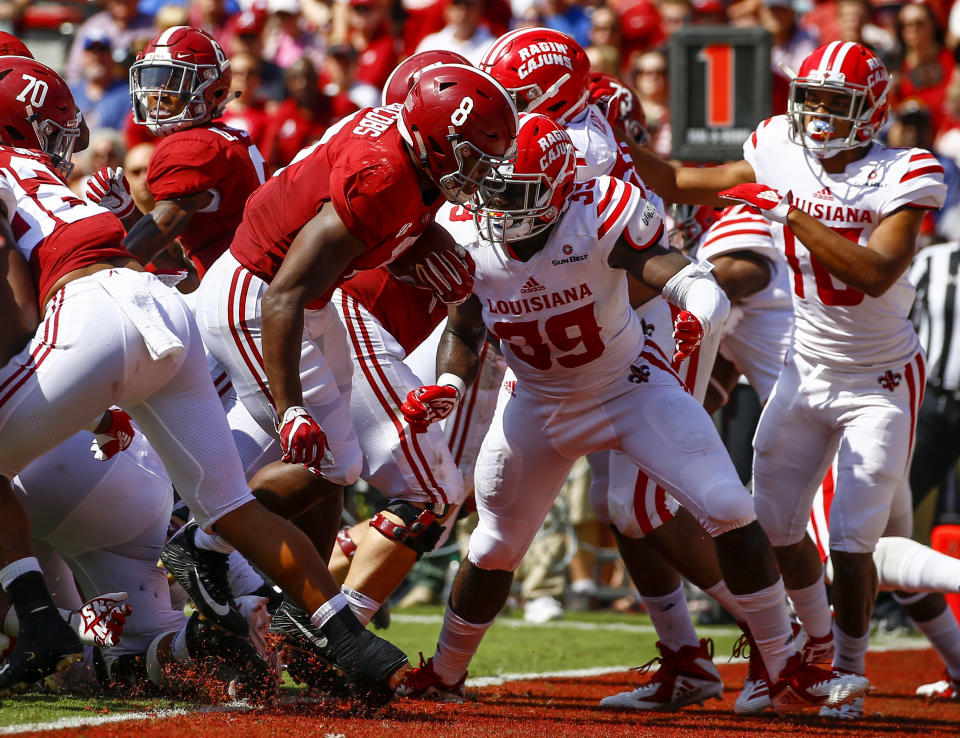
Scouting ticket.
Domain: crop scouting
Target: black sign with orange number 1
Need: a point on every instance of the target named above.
(720, 84)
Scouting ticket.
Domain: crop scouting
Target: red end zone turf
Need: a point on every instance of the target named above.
(568, 707)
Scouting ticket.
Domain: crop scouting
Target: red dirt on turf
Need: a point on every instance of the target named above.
(568, 707)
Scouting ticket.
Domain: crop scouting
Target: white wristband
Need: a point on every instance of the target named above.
(452, 380)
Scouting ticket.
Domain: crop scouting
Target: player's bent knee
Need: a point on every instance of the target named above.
(491, 554)
(728, 508)
(420, 530)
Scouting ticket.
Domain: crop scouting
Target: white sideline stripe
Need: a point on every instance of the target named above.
(881, 643)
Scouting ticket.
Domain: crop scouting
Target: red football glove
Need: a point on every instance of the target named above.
(687, 334)
(448, 274)
(767, 200)
(426, 405)
(99, 622)
(109, 189)
(114, 439)
(301, 438)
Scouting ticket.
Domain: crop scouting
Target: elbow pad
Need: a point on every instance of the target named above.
(694, 289)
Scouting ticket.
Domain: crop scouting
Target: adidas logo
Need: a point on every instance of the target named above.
(823, 194)
(531, 285)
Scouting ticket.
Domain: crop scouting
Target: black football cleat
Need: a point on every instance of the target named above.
(42, 649)
(203, 574)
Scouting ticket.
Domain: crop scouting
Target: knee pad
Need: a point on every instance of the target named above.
(487, 552)
(728, 507)
(420, 530)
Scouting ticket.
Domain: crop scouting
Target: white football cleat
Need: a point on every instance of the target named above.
(754, 698)
(686, 676)
(947, 688)
(852, 710)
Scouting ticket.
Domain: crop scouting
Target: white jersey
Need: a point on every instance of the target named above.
(563, 317)
(837, 324)
(756, 335)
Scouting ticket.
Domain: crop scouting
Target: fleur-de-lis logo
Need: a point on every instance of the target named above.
(647, 328)
(889, 381)
(639, 374)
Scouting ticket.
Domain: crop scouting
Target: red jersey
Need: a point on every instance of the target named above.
(408, 313)
(362, 167)
(56, 231)
(212, 158)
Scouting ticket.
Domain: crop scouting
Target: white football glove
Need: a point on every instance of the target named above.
(100, 621)
(109, 189)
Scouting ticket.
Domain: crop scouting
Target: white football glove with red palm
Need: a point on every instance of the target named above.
(109, 189)
(433, 402)
(301, 437)
(100, 621)
(768, 201)
(448, 274)
(687, 334)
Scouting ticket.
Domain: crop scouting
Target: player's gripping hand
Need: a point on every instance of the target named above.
(767, 200)
(426, 405)
(448, 274)
(301, 438)
(109, 189)
(114, 439)
(100, 621)
(687, 334)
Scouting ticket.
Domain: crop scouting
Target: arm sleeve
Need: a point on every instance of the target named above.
(183, 166)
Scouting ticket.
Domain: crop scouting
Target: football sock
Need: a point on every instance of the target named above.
(23, 581)
(726, 599)
(766, 613)
(458, 642)
(211, 542)
(910, 566)
(813, 609)
(363, 607)
(850, 652)
(242, 577)
(328, 609)
(671, 619)
(943, 632)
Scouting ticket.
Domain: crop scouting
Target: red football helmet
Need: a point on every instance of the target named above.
(37, 110)
(538, 182)
(460, 124)
(620, 104)
(838, 67)
(401, 79)
(10, 45)
(546, 71)
(180, 80)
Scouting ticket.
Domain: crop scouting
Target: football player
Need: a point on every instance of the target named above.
(113, 334)
(352, 202)
(551, 284)
(201, 171)
(846, 212)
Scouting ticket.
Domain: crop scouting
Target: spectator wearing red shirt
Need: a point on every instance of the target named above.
(370, 34)
(341, 86)
(247, 112)
(300, 120)
(212, 17)
(245, 34)
(927, 64)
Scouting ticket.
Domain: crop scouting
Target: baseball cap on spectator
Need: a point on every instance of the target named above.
(97, 41)
(250, 22)
(343, 51)
(709, 7)
(291, 7)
